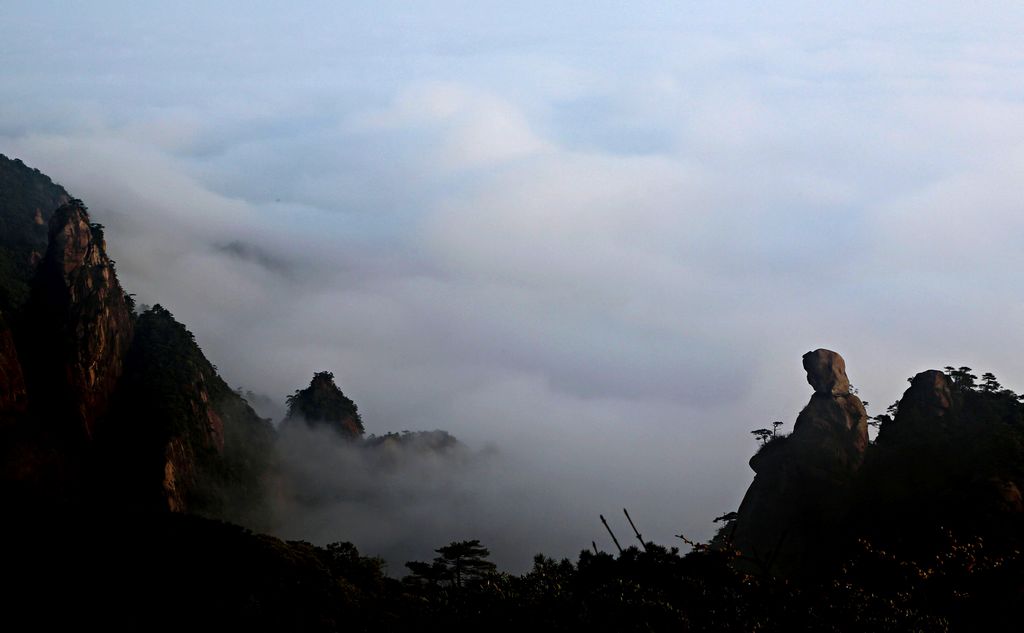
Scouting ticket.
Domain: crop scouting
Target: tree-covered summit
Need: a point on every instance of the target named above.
(322, 403)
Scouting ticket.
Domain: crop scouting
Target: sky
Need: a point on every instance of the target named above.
(593, 239)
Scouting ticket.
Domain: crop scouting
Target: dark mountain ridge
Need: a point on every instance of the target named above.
(101, 403)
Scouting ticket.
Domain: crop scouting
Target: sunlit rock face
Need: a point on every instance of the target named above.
(833, 427)
(81, 323)
(802, 479)
(826, 372)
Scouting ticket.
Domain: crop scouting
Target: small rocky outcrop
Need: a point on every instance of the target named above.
(78, 326)
(322, 404)
(800, 490)
(930, 395)
(923, 414)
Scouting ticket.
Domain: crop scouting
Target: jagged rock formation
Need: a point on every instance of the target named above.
(70, 338)
(79, 324)
(803, 480)
(322, 404)
(95, 402)
(950, 461)
(195, 444)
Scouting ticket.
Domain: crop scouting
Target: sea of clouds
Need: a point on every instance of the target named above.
(590, 242)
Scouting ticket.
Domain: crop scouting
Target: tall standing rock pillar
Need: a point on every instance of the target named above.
(798, 495)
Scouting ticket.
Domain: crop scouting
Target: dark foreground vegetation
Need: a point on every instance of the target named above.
(177, 572)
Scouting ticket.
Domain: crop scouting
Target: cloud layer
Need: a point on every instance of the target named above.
(599, 240)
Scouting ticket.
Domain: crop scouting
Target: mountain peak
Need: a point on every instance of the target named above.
(80, 319)
(322, 403)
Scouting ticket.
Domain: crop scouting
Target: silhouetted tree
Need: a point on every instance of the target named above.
(962, 377)
(762, 435)
(465, 561)
(989, 384)
(458, 563)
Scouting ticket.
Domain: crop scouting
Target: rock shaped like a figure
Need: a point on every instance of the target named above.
(799, 492)
(826, 372)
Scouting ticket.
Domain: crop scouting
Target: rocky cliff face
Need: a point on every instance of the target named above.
(195, 444)
(78, 324)
(164, 407)
(97, 403)
(803, 480)
(322, 403)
